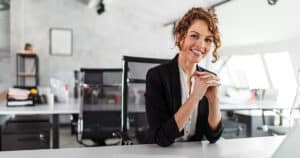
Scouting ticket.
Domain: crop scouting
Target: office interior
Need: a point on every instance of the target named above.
(90, 57)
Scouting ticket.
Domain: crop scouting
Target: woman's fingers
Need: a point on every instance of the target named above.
(201, 73)
(205, 75)
(209, 77)
(213, 83)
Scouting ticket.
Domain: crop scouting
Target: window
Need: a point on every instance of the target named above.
(282, 76)
(245, 71)
(262, 71)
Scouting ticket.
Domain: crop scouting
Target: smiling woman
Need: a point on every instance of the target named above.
(181, 98)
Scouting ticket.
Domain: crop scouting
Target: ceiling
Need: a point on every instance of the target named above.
(242, 22)
(248, 22)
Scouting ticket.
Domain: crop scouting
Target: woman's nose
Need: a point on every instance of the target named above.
(201, 44)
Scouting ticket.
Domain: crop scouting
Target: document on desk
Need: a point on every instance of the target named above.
(147, 156)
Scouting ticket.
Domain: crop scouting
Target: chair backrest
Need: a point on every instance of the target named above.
(100, 111)
(134, 119)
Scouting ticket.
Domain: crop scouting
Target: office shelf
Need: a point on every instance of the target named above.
(25, 74)
(27, 70)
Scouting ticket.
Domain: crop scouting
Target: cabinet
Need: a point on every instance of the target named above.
(27, 70)
(26, 132)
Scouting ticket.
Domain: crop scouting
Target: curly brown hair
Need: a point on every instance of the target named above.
(187, 20)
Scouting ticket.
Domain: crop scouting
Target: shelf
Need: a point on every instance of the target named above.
(26, 74)
(27, 55)
(27, 70)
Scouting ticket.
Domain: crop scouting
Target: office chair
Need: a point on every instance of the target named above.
(100, 110)
(134, 119)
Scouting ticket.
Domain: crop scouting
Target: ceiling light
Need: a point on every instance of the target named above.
(101, 7)
(272, 2)
(4, 5)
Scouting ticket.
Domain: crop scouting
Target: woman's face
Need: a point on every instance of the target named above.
(197, 43)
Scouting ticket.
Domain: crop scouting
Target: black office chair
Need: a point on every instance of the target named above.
(100, 111)
(134, 118)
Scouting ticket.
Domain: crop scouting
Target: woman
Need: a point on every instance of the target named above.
(181, 97)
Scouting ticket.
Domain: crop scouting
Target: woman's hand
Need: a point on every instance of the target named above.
(205, 84)
(212, 90)
(211, 82)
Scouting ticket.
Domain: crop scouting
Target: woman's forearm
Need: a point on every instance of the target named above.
(184, 112)
(214, 115)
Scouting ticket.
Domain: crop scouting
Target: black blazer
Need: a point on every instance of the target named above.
(163, 99)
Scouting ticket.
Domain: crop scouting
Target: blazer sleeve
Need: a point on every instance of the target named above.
(212, 135)
(163, 128)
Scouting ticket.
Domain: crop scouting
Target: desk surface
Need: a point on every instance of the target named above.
(72, 107)
(226, 107)
(233, 148)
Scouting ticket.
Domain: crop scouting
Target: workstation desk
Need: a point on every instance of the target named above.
(71, 107)
(259, 147)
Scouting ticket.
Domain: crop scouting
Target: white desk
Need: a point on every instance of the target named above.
(72, 107)
(226, 107)
(261, 147)
(60, 108)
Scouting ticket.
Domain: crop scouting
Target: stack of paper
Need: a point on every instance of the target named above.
(18, 97)
(16, 93)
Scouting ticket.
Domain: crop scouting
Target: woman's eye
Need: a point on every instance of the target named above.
(208, 40)
(194, 36)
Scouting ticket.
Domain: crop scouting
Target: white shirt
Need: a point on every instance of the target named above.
(190, 126)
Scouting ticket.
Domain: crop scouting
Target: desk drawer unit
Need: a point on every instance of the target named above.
(25, 135)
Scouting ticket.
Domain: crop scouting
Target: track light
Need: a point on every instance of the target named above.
(100, 7)
(4, 5)
(272, 2)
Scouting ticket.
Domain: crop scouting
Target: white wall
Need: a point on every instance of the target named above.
(127, 29)
(5, 71)
(4, 32)
(99, 40)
